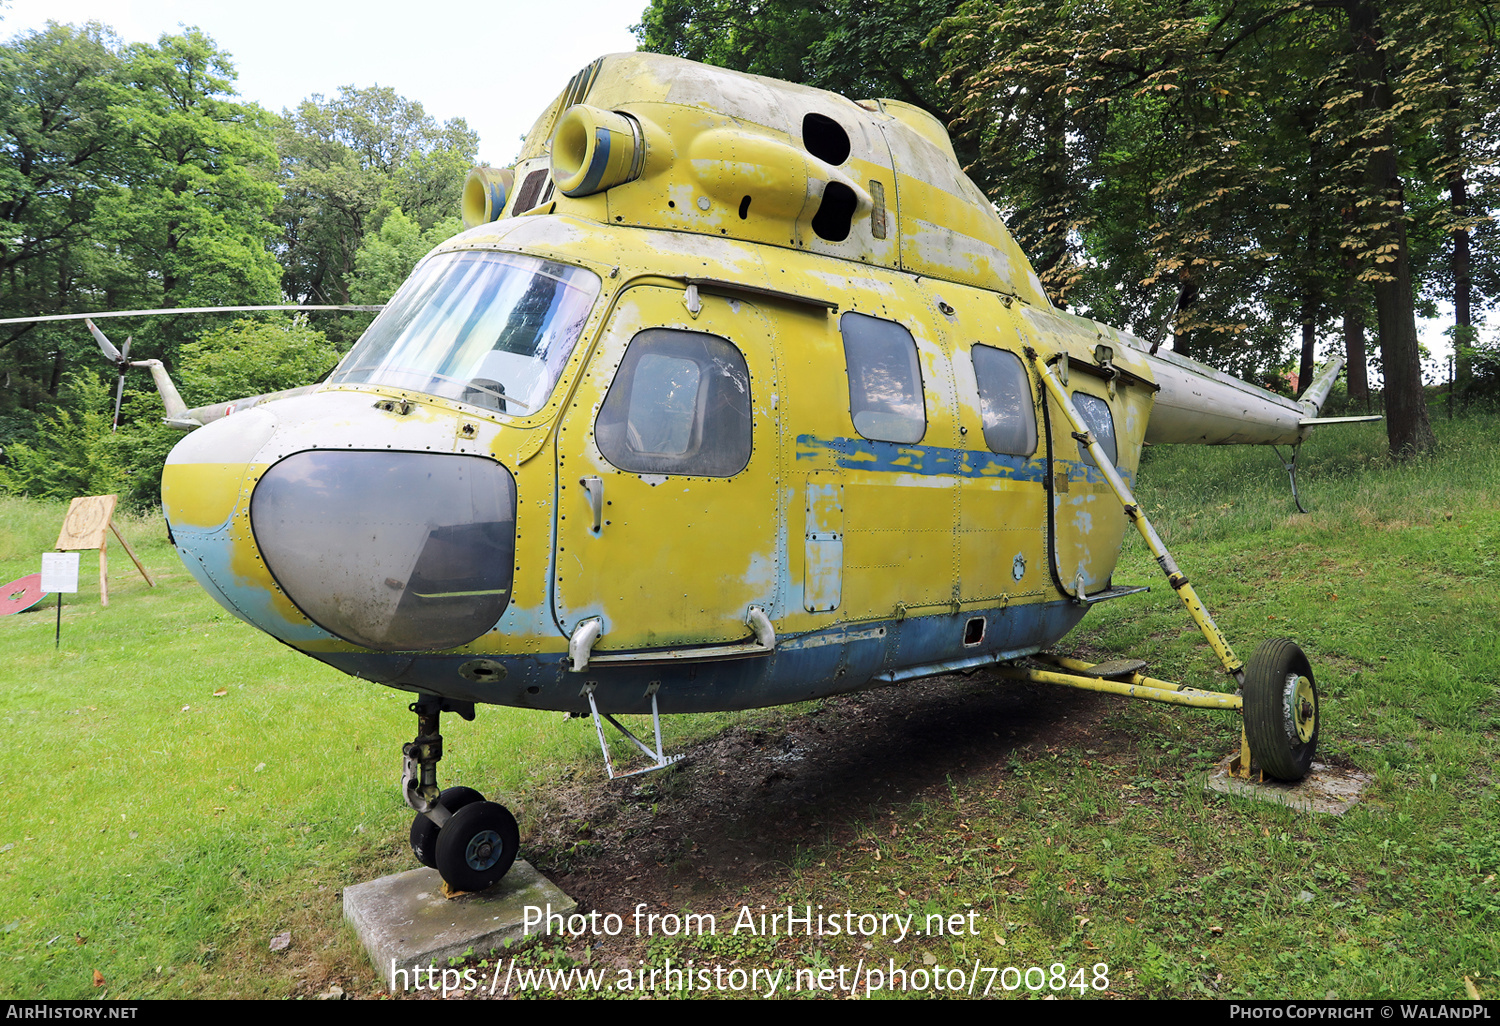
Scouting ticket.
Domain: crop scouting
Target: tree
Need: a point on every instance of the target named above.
(1464, 169)
(1365, 121)
(196, 192)
(339, 159)
(56, 131)
(1101, 126)
(387, 256)
(128, 178)
(55, 126)
(1269, 140)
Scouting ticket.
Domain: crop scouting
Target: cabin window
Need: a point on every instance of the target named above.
(1095, 413)
(679, 404)
(885, 382)
(1005, 405)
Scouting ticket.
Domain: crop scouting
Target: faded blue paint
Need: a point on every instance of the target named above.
(209, 557)
(934, 460)
(797, 671)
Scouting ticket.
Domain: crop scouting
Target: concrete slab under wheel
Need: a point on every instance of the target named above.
(405, 922)
(1327, 789)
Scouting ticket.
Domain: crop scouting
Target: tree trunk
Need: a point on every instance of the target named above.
(1187, 295)
(1355, 357)
(1407, 424)
(1463, 325)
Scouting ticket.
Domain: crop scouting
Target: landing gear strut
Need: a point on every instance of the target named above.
(1277, 696)
(470, 841)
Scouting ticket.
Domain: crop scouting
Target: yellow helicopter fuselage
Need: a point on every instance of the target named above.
(724, 401)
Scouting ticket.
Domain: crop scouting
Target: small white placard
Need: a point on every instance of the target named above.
(59, 572)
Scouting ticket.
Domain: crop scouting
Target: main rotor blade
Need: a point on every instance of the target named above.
(181, 310)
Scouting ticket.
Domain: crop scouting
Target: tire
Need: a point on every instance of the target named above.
(1281, 710)
(477, 846)
(424, 832)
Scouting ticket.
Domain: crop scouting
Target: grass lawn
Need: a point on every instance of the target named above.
(181, 788)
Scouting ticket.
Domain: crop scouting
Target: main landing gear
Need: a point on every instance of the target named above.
(470, 841)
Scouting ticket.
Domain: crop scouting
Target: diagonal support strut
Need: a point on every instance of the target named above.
(659, 760)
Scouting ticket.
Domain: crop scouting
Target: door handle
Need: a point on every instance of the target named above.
(593, 488)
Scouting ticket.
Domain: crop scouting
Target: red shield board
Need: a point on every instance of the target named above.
(22, 593)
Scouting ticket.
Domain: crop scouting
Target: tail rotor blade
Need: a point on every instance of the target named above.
(119, 394)
(105, 345)
(120, 379)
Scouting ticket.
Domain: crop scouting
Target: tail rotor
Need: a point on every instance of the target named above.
(120, 358)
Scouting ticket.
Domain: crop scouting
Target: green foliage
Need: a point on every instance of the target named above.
(129, 180)
(386, 256)
(197, 196)
(1484, 381)
(1233, 170)
(56, 90)
(251, 358)
(73, 453)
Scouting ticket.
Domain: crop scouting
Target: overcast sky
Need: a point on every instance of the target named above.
(495, 65)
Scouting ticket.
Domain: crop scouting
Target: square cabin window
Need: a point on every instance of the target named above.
(679, 404)
(1095, 413)
(885, 382)
(1006, 408)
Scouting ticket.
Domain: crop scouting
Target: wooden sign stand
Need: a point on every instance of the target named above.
(85, 526)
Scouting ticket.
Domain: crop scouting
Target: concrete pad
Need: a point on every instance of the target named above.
(405, 922)
(1327, 789)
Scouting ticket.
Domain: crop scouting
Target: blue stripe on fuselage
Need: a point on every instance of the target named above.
(933, 460)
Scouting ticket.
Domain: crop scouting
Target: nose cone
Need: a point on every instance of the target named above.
(205, 473)
(205, 489)
(284, 516)
(394, 551)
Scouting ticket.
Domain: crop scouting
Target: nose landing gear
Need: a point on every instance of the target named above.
(470, 841)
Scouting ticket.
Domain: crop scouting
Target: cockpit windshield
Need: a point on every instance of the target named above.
(484, 328)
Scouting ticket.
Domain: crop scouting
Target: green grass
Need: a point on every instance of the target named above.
(1392, 585)
(160, 834)
(180, 787)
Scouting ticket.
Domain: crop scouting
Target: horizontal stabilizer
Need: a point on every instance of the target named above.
(1315, 421)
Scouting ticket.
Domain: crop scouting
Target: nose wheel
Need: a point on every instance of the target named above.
(477, 846)
(470, 841)
(424, 832)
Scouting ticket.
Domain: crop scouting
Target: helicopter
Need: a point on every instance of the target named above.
(733, 393)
